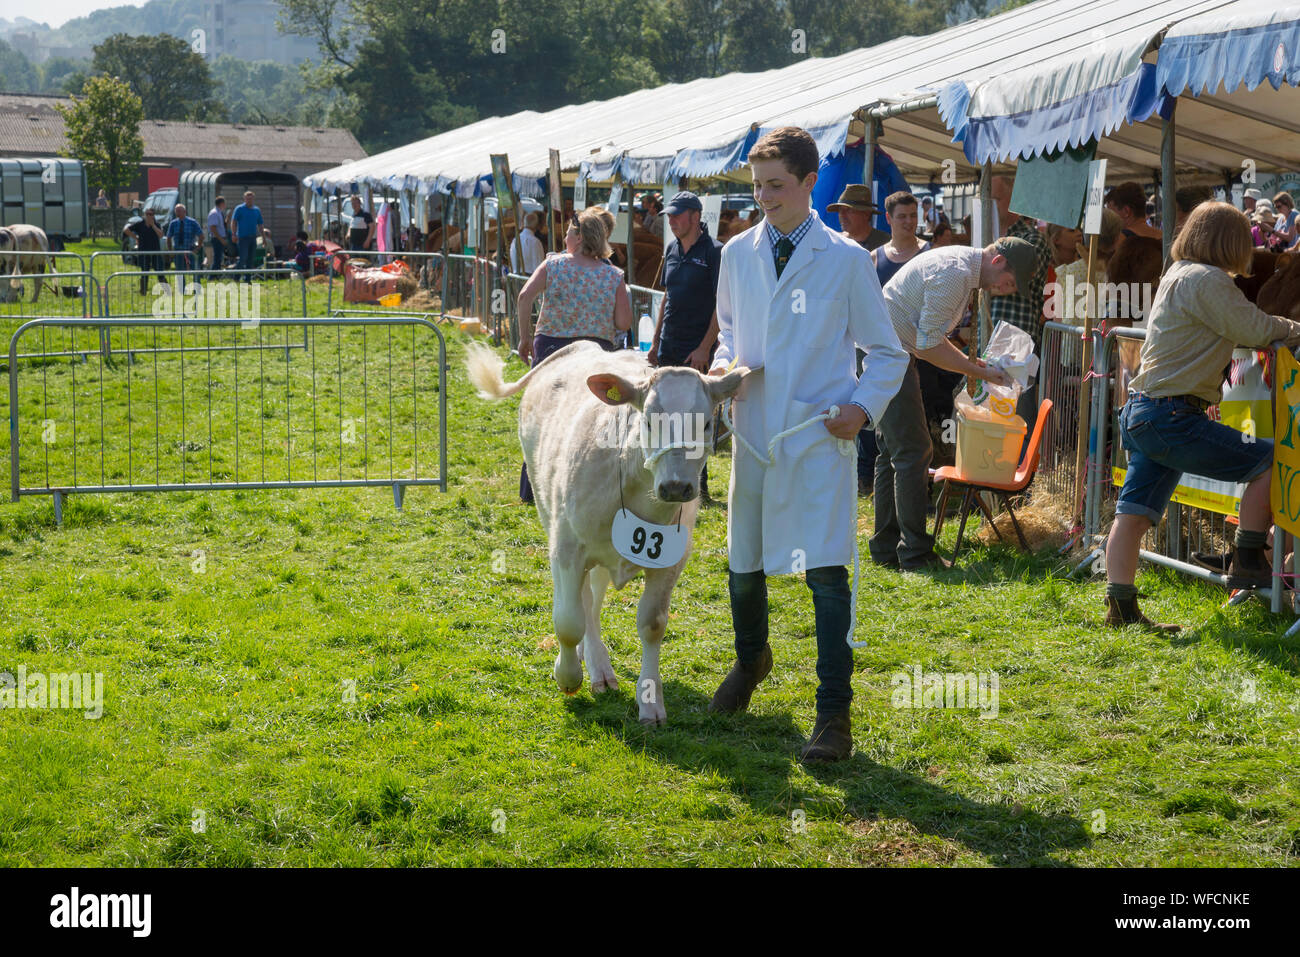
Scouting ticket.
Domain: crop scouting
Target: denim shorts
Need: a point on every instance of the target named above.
(1169, 436)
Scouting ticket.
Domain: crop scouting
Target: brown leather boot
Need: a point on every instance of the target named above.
(1249, 568)
(738, 687)
(831, 739)
(1125, 611)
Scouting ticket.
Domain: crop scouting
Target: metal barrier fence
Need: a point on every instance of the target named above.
(234, 293)
(107, 261)
(74, 262)
(67, 293)
(427, 268)
(477, 288)
(357, 411)
(1061, 356)
(644, 302)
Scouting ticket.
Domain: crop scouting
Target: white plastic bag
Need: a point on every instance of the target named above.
(1012, 350)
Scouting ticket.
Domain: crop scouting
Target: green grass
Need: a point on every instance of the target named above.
(230, 627)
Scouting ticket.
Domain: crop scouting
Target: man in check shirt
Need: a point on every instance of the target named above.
(926, 299)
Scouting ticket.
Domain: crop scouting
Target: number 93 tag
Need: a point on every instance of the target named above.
(647, 544)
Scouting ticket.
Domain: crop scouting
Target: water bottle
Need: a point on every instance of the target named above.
(645, 332)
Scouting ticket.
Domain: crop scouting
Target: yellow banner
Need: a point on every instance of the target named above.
(1285, 493)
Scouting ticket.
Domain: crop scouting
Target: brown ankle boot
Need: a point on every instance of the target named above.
(1249, 568)
(831, 739)
(1125, 611)
(738, 687)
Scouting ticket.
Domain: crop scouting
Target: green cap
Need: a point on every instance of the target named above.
(1022, 257)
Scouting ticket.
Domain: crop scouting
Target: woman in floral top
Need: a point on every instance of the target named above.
(585, 299)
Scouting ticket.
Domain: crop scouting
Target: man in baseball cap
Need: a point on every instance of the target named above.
(926, 300)
(1022, 260)
(683, 201)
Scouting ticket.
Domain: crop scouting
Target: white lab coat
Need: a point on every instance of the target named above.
(801, 331)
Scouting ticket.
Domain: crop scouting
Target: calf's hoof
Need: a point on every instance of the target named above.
(568, 674)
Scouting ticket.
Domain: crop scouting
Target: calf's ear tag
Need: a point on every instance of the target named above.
(613, 394)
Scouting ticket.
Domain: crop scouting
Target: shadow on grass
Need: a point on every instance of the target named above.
(756, 755)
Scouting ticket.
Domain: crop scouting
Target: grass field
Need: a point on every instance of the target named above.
(313, 677)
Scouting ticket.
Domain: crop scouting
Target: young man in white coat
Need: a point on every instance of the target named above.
(794, 300)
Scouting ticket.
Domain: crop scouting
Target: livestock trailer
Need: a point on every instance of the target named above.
(277, 194)
(49, 193)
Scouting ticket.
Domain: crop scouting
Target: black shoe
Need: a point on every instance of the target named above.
(932, 562)
(831, 739)
(891, 563)
(738, 687)
(865, 488)
(1214, 561)
(1249, 569)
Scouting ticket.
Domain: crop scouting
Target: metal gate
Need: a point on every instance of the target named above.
(366, 406)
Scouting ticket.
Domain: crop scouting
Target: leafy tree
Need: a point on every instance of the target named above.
(58, 70)
(102, 128)
(17, 75)
(172, 81)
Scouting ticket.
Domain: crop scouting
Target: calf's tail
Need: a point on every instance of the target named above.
(485, 369)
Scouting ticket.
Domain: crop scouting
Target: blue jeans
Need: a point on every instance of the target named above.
(831, 608)
(1165, 437)
(246, 245)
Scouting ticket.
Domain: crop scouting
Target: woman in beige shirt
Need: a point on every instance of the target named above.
(1198, 318)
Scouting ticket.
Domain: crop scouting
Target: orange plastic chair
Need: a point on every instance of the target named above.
(971, 490)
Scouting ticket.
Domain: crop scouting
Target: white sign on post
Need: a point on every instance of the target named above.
(712, 214)
(615, 198)
(580, 193)
(471, 228)
(1238, 195)
(1096, 197)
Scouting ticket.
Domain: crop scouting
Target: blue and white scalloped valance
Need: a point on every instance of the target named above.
(1231, 49)
(1056, 105)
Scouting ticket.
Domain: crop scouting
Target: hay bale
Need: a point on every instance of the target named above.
(422, 301)
(317, 280)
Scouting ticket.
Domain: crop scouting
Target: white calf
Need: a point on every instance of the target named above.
(585, 424)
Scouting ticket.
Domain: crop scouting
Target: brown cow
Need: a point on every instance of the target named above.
(1280, 296)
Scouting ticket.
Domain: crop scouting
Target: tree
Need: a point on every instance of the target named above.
(171, 80)
(58, 70)
(103, 131)
(17, 75)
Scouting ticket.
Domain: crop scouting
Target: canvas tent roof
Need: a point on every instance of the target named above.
(1214, 57)
(1092, 61)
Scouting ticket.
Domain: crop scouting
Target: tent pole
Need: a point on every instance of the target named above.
(985, 330)
(631, 267)
(869, 159)
(1168, 184)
